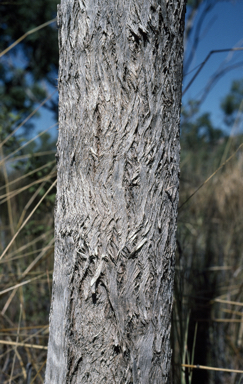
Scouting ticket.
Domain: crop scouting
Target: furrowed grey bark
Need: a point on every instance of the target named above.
(120, 81)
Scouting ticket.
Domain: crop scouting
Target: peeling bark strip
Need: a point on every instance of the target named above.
(120, 83)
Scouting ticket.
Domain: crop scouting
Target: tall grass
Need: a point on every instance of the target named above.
(26, 261)
(208, 317)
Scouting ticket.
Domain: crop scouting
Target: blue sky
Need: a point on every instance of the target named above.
(222, 28)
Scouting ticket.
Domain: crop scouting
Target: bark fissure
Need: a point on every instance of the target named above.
(118, 176)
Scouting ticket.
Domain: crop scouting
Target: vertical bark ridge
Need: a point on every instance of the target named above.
(118, 177)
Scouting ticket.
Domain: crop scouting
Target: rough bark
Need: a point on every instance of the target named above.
(120, 83)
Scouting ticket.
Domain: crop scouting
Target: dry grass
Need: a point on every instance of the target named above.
(209, 272)
(26, 262)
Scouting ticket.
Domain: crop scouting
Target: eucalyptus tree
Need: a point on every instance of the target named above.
(120, 78)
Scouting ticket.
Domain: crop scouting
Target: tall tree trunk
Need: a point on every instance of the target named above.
(120, 83)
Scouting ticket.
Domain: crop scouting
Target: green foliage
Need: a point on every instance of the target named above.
(39, 50)
(197, 129)
(24, 67)
(233, 102)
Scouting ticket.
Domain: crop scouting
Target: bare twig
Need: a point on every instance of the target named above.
(210, 177)
(27, 118)
(27, 219)
(211, 368)
(204, 62)
(25, 35)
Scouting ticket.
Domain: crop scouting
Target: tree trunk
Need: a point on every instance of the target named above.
(118, 149)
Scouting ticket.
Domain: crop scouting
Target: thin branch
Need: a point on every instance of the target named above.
(211, 368)
(10, 195)
(22, 344)
(28, 155)
(204, 62)
(27, 143)
(27, 174)
(16, 345)
(36, 260)
(27, 118)
(20, 249)
(21, 284)
(216, 77)
(227, 302)
(27, 34)
(197, 35)
(210, 177)
(27, 219)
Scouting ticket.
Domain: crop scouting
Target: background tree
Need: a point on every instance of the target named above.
(120, 78)
(28, 69)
